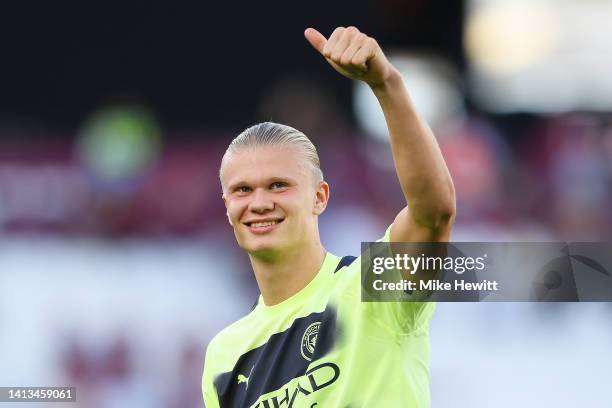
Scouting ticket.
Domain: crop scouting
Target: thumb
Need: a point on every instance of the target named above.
(316, 39)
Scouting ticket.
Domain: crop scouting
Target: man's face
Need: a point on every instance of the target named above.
(272, 199)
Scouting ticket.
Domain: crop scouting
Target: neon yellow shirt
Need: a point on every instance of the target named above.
(323, 348)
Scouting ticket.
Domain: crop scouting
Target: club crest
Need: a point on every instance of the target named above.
(309, 340)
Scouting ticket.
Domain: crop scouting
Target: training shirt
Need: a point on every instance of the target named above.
(323, 348)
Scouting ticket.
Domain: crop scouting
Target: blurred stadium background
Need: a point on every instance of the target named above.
(117, 265)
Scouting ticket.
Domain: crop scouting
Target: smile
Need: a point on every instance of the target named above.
(263, 226)
(264, 223)
(267, 223)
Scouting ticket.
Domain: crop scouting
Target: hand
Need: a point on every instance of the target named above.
(353, 54)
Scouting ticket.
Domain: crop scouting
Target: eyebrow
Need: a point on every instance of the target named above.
(288, 180)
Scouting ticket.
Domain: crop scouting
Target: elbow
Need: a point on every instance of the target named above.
(438, 217)
(441, 223)
(448, 209)
(448, 206)
(435, 212)
(443, 213)
(444, 216)
(441, 216)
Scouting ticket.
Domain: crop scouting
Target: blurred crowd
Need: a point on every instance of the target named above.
(110, 376)
(553, 182)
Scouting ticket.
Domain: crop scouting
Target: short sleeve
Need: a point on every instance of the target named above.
(400, 317)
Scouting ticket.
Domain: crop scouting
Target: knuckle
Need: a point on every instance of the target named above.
(352, 29)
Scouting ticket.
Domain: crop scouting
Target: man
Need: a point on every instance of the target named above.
(310, 341)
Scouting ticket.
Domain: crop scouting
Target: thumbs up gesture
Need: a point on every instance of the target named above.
(353, 54)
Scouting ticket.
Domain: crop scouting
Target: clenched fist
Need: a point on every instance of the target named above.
(353, 54)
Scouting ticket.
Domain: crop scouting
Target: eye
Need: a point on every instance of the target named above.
(242, 189)
(277, 184)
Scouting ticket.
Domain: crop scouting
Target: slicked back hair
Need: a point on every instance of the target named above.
(274, 134)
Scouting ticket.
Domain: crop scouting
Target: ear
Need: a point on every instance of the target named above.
(226, 212)
(321, 198)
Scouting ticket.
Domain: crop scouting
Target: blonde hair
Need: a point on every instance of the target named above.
(275, 134)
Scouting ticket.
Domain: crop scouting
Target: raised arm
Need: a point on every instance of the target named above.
(421, 170)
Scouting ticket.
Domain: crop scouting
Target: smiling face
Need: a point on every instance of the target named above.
(272, 199)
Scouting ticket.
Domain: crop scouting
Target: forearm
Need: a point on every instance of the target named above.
(422, 172)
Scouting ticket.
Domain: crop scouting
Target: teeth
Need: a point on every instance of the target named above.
(263, 224)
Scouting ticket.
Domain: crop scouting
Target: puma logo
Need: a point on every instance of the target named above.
(244, 379)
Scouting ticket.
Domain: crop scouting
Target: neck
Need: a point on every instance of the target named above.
(280, 277)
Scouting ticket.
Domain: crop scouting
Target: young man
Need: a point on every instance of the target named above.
(310, 341)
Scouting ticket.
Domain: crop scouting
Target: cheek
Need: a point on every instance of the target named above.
(301, 204)
(292, 200)
(235, 208)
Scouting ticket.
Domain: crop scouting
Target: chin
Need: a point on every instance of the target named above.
(258, 246)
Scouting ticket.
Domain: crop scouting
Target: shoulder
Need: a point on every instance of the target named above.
(353, 263)
(227, 346)
(231, 340)
(234, 331)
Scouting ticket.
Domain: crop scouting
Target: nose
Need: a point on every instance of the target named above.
(261, 201)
